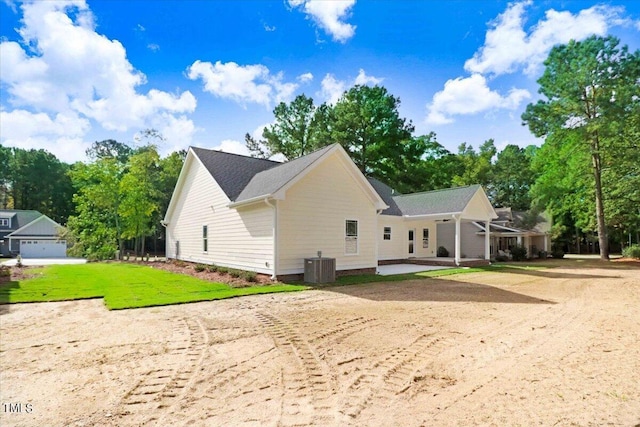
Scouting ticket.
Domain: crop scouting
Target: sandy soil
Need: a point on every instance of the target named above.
(548, 347)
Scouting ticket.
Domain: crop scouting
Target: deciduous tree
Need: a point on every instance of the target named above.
(588, 88)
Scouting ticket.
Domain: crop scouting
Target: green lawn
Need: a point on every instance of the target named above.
(123, 286)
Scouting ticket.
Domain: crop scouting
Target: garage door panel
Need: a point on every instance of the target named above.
(43, 248)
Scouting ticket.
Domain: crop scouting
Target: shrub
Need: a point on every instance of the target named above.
(557, 253)
(542, 254)
(180, 263)
(632, 251)
(235, 273)
(223, 270)
(213, 268)
(518, 253)
(249, 276)
(199, 267)
(502, 258)
(443, 252)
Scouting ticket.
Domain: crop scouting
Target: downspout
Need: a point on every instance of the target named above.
(274, 205)
(378, 212)
(166, 240)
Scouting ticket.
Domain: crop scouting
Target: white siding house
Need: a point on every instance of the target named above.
(265, 216)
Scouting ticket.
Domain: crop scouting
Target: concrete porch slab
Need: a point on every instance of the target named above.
(388, 270)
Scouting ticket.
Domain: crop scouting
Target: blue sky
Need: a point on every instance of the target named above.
(206, 72)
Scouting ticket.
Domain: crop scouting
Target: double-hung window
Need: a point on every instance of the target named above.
(205, 238)
(386, 235)
(351, 237)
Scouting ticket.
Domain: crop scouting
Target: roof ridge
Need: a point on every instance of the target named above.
(237, 155)
(439, 190)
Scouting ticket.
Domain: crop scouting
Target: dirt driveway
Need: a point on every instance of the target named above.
(547, 347)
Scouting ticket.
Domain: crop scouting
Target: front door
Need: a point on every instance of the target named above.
(412, 241)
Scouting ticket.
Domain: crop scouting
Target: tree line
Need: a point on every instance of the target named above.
(111, 204)
(586, 174)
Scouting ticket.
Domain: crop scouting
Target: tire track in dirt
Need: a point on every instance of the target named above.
(163, 388)
(390, 376)
(559, 323)
(307, 395)
(343, 330)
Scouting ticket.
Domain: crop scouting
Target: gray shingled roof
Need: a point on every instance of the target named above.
(436, 202)
(243, 178)
(19, 218)
(271, 180)
(232, 171)
(386, 193)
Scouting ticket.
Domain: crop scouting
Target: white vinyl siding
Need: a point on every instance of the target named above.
(393, 248)
(240, 238)
(398, 246)
(312, 217)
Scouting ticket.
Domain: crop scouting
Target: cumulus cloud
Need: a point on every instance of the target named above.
(329, 15)
(509, 47)
(242, 83)
(332, 88)
(470, 95)
(71, 77)
(232, 146)
(305, 78)
(363, 79)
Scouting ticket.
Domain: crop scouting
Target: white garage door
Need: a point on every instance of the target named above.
(43, 248)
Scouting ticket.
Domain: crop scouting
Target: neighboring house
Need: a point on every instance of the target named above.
(511, 228)
(266, 216)
(30, 234)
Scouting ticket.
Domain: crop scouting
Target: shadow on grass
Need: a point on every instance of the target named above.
(5, 290)
(434, 289)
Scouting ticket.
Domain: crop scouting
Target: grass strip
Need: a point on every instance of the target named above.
(123, 286)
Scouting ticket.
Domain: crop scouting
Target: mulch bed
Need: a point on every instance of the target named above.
(19, 273)
(181, 267)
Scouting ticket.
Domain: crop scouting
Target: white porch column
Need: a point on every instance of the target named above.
(457, 245)
(487, 240)
(519, 240)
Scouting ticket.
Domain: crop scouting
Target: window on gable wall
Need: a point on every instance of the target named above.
(205, 242)
(387, 233)
(351, 237)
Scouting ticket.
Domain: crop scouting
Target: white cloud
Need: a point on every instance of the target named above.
(332, 88)
(61, 134)
(232, 146)
(71, 77)
(509, 47)
(363, 79)
(242, 83)
(305, 78)
(470, 95)
(329, 15)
